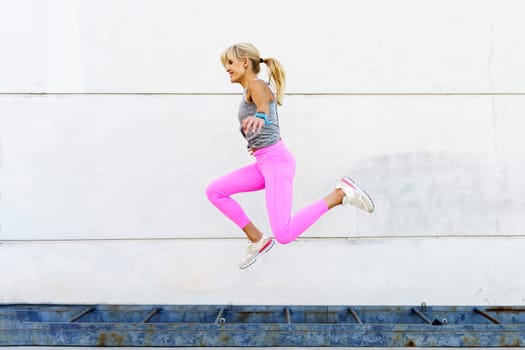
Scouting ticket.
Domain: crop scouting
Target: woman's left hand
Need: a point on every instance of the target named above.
(252, 124)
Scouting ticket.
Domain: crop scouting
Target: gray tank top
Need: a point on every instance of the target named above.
(269, 133)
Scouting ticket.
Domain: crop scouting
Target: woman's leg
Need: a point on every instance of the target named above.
(246, 179)
(278, 168)
(278, 181)
(334, 198)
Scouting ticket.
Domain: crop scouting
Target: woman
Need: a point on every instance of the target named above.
(274, 168)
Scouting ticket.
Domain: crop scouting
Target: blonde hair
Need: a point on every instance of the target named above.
(275, 69)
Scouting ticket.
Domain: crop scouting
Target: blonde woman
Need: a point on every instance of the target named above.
(274, 166)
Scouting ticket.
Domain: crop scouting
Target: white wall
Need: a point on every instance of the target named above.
(114, 115)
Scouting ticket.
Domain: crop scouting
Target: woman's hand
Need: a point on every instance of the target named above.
(252, 124)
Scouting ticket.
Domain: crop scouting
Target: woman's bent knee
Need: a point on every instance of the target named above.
(282, 238)
(212, 193)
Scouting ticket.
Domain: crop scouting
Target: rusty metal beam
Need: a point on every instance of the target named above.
(259, 326)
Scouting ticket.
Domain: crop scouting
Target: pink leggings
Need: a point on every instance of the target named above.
(274, 171)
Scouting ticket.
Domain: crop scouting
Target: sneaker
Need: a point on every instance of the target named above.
(354, 195)
(255, 250)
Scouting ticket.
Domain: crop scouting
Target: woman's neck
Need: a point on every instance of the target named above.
(249, 77)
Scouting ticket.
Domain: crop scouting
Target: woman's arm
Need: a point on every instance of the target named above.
(260, 94)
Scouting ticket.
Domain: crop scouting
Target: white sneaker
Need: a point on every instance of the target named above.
(255, 250)
(354, 195)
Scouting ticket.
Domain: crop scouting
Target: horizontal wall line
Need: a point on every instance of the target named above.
(287, 94)
(354, 238)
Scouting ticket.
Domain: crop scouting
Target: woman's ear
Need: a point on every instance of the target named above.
(245, 62)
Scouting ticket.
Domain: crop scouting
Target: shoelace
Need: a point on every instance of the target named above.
(253, 247)
(357, 200)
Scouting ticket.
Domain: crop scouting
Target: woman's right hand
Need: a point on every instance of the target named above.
(252, 124)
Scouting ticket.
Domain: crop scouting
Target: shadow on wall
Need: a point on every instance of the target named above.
(434, 194)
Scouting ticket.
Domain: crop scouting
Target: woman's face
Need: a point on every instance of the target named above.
(235, 68)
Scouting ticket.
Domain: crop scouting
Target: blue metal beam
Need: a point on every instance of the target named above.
(260, 326)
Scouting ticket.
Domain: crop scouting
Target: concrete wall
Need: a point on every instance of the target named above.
(115, 114)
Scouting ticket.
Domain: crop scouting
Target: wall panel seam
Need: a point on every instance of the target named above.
(349, 238)
(238, 94)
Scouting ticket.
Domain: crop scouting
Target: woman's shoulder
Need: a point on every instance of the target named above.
(259, 86)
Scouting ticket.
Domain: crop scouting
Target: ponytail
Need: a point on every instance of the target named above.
(277, 77)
